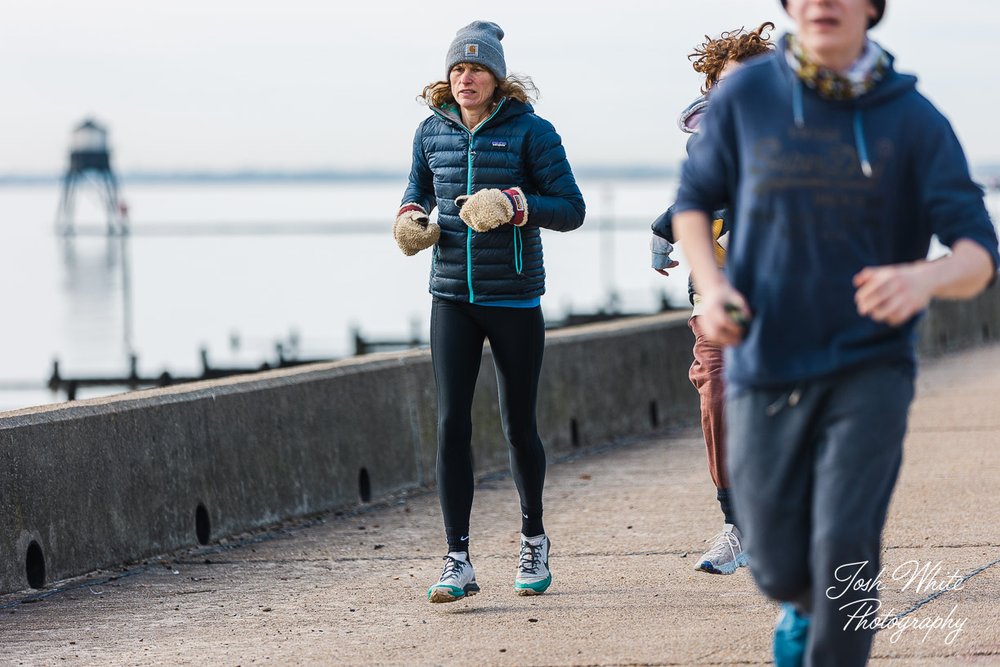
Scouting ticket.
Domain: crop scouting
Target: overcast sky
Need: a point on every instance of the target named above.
(299, 84)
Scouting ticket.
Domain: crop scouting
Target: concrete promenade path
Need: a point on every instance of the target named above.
(627, 524)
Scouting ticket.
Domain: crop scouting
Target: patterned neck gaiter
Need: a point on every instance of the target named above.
(866, 72)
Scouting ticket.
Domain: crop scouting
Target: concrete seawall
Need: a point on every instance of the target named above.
(96, 483)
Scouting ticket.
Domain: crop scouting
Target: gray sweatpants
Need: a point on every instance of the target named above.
(812, 469)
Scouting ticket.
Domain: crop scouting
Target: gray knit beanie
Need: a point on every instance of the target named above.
(479, 43)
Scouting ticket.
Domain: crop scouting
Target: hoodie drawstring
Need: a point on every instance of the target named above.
(800, 120)
(859, 141)
(859, 128)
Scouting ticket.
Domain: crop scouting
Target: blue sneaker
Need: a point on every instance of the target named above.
(458, 579)
(790, 636)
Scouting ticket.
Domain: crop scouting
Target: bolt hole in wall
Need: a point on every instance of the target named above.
(364, 485)
(34, 565)
(202, 524)
(574, 433)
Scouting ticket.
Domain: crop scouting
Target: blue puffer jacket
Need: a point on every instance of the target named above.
(513, 148)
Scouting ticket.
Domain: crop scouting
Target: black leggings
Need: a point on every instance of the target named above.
(517, 339)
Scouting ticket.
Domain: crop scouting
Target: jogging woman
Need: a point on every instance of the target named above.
(497, 174)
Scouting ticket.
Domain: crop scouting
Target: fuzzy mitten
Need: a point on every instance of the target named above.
(488, 209)
(412, 230)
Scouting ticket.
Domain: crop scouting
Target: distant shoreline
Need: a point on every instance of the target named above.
(987, 174)
(309, 176)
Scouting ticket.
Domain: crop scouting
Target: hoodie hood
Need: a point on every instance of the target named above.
(691, 117)
(893, 85)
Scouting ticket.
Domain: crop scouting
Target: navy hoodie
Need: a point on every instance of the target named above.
(820, 189)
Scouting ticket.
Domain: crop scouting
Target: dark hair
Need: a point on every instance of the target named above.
(711, 56)
(516, 86)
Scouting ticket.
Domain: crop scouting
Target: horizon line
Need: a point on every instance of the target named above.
(988, 170)
(303, 175)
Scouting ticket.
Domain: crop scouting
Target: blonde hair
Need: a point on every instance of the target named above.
(516, 86)
(710, 57)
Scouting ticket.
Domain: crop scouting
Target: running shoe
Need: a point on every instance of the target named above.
(457, 579)
(726, 554)
(790, 636)
(533, 575)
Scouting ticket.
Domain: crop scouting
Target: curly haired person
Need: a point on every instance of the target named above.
(716, 58)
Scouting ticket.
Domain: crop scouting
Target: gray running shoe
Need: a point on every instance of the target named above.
(726, 554)
(533, 575)
(458, 579)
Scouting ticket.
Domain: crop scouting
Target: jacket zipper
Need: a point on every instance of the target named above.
(468, 191)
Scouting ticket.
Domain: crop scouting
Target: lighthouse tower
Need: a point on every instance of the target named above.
(90, 165)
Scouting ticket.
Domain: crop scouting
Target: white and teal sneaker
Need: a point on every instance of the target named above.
(726, 554)
(458, 579)
(533, 575)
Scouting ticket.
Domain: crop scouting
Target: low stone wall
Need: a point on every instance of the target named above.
(101, 482)
(955, 325)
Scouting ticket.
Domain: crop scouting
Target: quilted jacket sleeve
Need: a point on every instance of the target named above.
(420, 189)
(554, 201)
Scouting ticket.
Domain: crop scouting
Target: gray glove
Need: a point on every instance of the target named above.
(661, 249)
(413, 231)
(489, 209)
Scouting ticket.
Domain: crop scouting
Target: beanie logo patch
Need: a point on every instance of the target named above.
(471, 50)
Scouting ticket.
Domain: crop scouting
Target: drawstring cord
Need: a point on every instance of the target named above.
(800, 120)
(791, 400)
(518, 251)
(859, 141)
(859, 127)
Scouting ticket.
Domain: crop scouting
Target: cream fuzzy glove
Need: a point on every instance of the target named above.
(412, 230)
(488, 209)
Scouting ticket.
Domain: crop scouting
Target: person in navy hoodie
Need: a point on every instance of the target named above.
(497, 174)
(838, 173)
